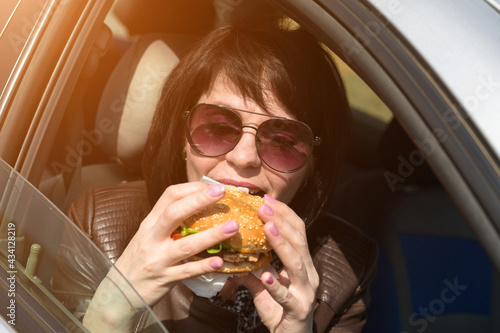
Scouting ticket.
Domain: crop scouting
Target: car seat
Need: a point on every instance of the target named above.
(128, 101)
(432, 274)
(123, 117)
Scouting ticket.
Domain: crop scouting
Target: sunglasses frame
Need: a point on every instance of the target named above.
(315, 142)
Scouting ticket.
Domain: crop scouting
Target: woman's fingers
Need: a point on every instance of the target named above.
(153, 258)
(287, 235)
(297, 305)
(287, 222)
(152, 267)
(178, 203)
(195, 268)
(180, 250)
(290, 257)
(174, 193)
(280, 293)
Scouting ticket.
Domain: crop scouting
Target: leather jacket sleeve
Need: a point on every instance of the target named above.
(346, 263)
(109, 216)
(79, 270)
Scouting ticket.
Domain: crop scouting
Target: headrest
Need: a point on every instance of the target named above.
(132, 92)
(399, 155)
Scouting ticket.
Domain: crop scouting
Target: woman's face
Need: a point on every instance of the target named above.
(242, 165)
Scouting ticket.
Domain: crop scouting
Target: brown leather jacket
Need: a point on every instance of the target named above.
(110, 215)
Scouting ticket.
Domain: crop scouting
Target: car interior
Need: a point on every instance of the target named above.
(433, 276)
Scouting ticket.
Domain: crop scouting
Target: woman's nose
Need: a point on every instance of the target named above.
(245, 155)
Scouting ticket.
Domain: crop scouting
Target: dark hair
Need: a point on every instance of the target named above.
(292, 64)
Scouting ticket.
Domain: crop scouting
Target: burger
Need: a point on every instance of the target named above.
(247, 251)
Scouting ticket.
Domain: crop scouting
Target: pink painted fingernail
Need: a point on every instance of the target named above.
(269, 279)
(215, 190)
(271, 199)
(216, 263)
(230, 226)
(274, 231)
(267, 210)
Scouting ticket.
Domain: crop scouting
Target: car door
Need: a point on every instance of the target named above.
(432, 64)
(47, 49)
(47, 44)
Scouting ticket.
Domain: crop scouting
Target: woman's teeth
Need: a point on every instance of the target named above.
(259, 193)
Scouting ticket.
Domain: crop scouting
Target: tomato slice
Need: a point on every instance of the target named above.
(176, 235)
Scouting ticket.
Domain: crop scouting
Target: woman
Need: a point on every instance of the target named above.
(269, 87)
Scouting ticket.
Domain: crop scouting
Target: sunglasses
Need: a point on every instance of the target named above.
(283, 144)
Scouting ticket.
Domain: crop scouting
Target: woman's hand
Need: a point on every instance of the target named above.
(153, 262)
(285, 304)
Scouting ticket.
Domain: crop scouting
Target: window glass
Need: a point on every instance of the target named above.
(50, 267)
(17, 20)
(7, 7)
(361, 96)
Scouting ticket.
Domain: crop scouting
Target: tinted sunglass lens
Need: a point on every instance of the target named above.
(212, 130)
(284, 145)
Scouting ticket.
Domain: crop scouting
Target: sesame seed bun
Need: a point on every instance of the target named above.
(250, 239)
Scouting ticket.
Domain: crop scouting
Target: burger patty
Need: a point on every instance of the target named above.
(234, 257)
(237, 257)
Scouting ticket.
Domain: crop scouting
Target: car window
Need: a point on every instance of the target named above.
(361, 97)
(17, 20)
(8, 7)
(41, 248)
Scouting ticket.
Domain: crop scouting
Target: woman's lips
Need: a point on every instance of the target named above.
(251, 187)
